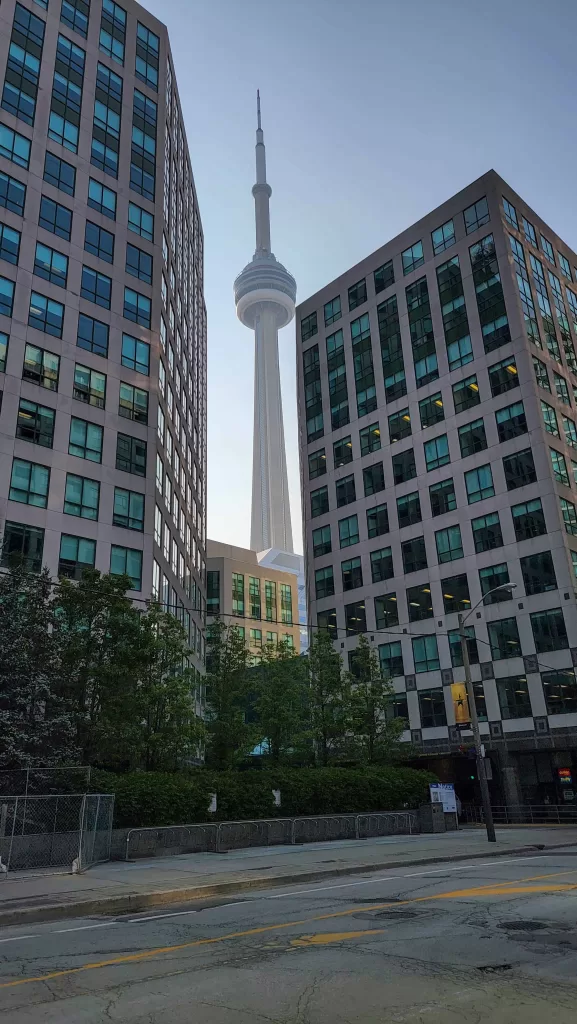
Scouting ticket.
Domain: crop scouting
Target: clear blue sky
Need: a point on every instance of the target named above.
(374, 111)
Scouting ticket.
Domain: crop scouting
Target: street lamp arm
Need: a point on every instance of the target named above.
(503, 586)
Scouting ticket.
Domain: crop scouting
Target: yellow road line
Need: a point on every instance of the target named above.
(495, 889)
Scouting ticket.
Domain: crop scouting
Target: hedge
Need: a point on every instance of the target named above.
(157, 798)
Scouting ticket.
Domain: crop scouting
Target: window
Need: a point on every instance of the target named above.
(442, 497)
(113, 30)
(449, 544)
(23, 67)
(81, 497)
(141, 222)
(528, 519)
(565, 267)
(327, 620)
(143, 149)
(514, 699)
(373, 479)
(431, 410)
(324, 582)
(51, 265)
(3, 351)
(391, 660)
(6, 296)
(46, 315)
(479, 484)
(561, 389)
(487, 532)
(332, 311)
(355, 618)
(22, 544)
(538, 573)
(66, 102)
(12, 194)
(384, 277)
(99, 242)
(92, 335)
(357, 294)
(352, 574)
(503, 376)
(504, 639)
(419, 602)
(569, 514)
(404, 467)
(85, 440)
(127, 562)
(381, 565)
(370, 439)
(559, 468)
(414, 555)
(456, 594)
(529, 232)
(319, 501)
(131, 455)
(345, 490)
(89, 386)
(560, 690)
(322, 541)
(409, 509)
(76, 555)
(432, 708)
(549, 419)
(238, 594)
(133, 403)
(41, 367)
(256, 637)
(102, 199)
(476, 216)
(436, 452)
(139, 263)
(57, 172)
(412, 258)
(443, 237)
(510, 214)
(14, 147)
(75, 14)
(570, 431)
(489, 293)
(137, 307)
(425, 654)
(29, 483)
(548, 250)
(460, 353)
(35, 423)
(309, 326)
(342, 452)
(386, 611)
(313, 396)
(519, 469)
(472, 438)
(455, 646)
(549, 631)
(96, 287)
(317, 464)
(511, 421)
(377, 521)
(147, 49)
(348, 531)
(128, 509)
(541, 375)
(399, 425)
(495, 576)
(286, 607)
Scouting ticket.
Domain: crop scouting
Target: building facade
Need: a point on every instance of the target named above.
(102, 318)
(261, 601)
(437, 388)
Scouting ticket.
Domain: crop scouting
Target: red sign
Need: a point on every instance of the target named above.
(565, 776)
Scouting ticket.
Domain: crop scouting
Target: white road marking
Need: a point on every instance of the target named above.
(83, 928)
(181, 913)
(17, 938)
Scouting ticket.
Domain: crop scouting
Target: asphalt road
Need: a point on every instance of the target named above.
(491, 941)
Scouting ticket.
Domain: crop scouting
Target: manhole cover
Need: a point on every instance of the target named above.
(523, 926)
(495, 968)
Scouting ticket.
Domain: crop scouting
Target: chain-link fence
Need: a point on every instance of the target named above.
(65, 830)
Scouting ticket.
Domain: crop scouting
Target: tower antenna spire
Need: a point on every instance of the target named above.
(259, 127)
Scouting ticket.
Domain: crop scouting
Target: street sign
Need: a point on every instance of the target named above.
(460, 703)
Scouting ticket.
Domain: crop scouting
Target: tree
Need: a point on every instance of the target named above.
(281, 703)
(230, 735)
(328, 694)
(375, 735)
(36, 725)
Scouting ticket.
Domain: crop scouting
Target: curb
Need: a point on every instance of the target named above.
(135, 902)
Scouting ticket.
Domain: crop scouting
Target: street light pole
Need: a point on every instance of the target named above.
(481, 770)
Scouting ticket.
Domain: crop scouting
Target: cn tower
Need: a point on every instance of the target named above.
(265, 296)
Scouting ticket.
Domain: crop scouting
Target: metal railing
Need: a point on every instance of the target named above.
(67, 830)
(524, 814)
(223, 836)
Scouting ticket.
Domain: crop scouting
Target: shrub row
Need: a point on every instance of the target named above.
(156, 798)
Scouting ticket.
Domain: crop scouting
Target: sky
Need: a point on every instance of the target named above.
(374, 113)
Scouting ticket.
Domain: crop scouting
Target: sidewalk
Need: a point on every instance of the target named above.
(120, 887)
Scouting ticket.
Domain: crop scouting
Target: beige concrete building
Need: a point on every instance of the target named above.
(102, 318)
(437, 389)
(261, 601)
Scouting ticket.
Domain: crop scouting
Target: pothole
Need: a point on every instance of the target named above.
(523, 926)
(495, 968)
